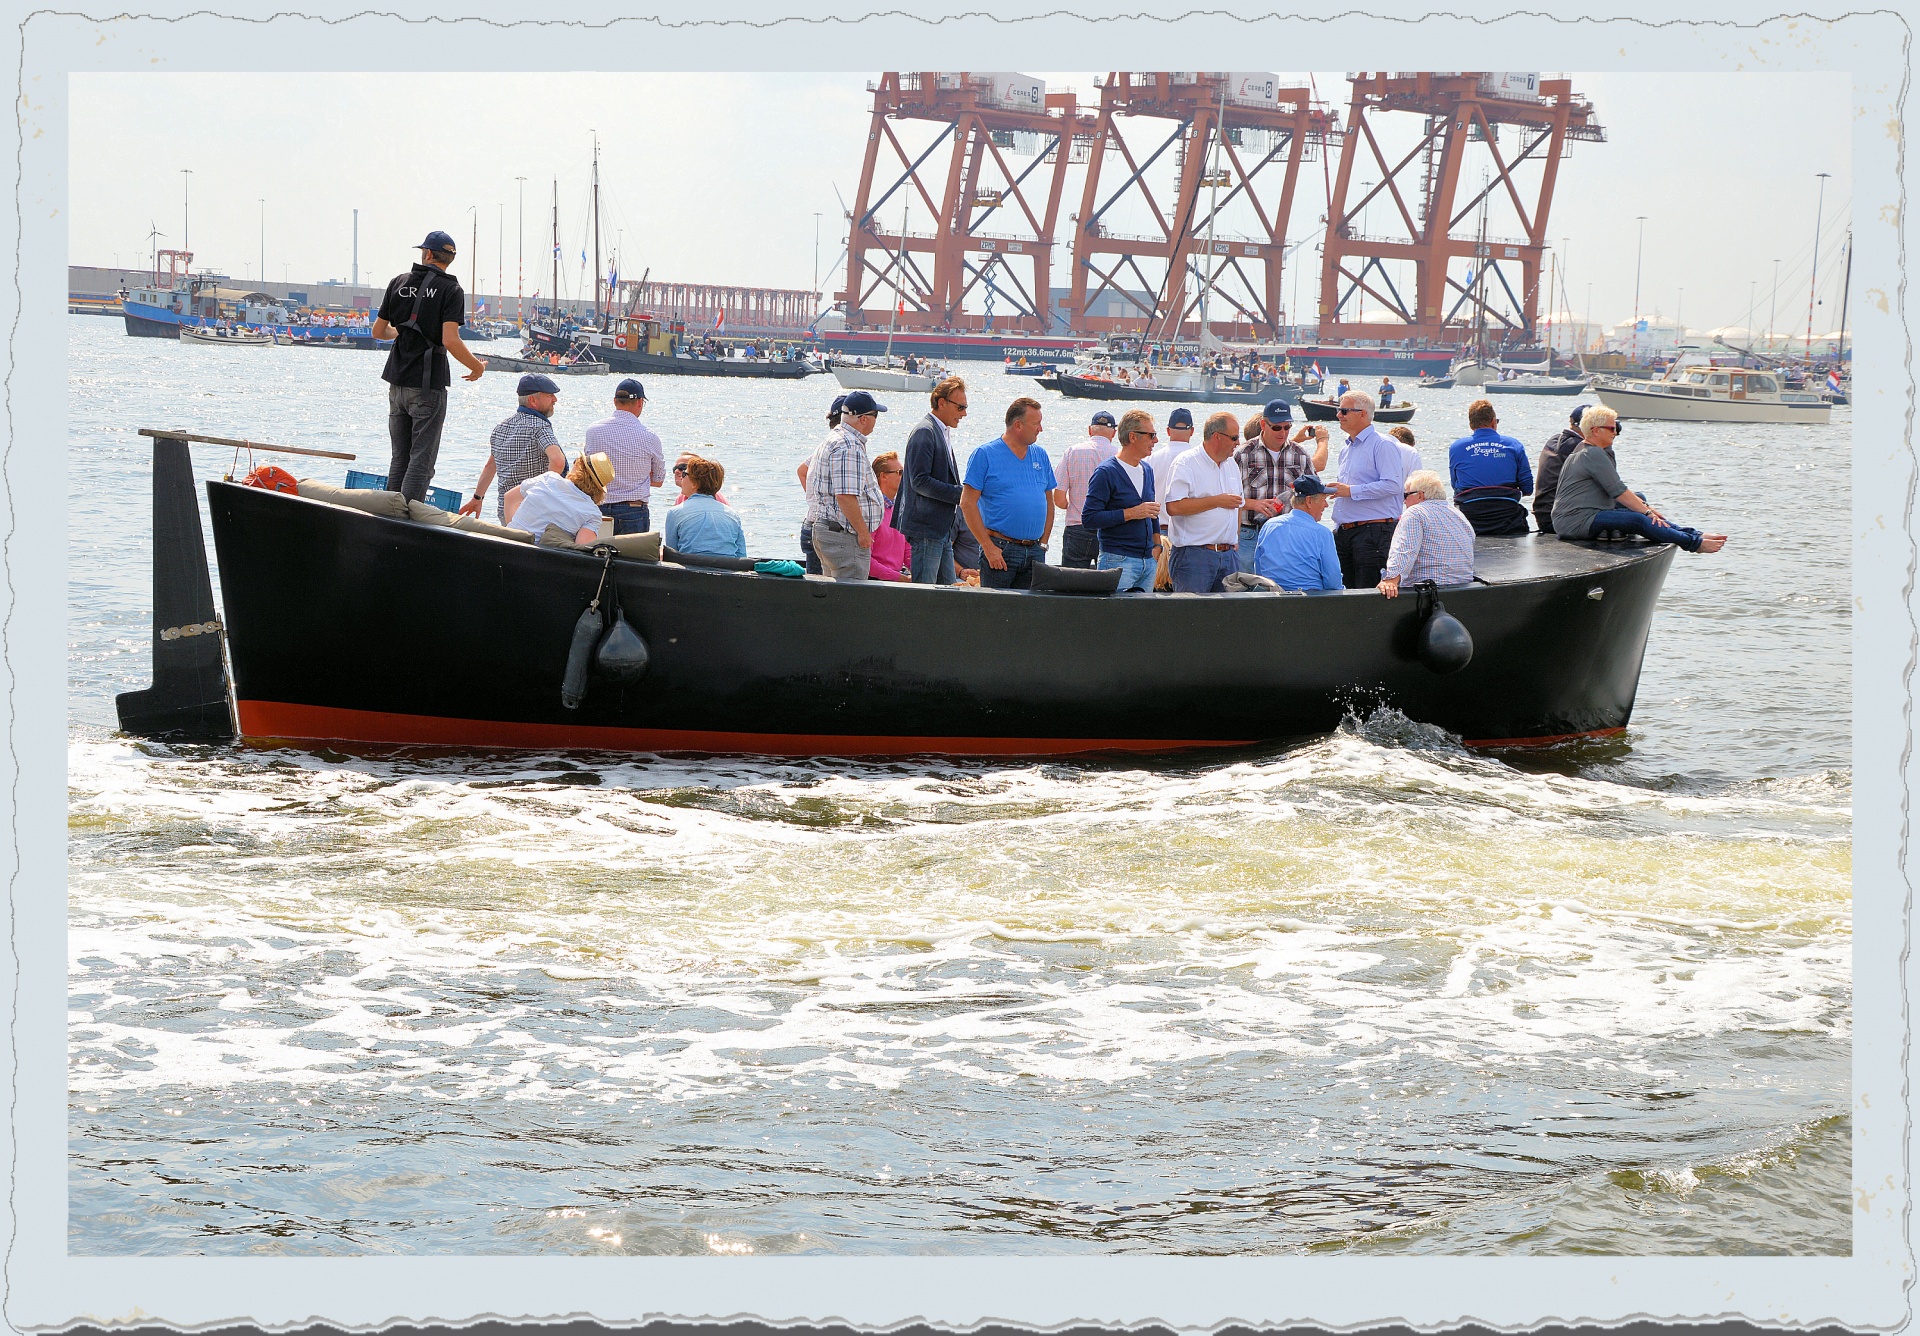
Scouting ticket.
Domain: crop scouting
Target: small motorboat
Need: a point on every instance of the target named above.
(581, 367)
(1713, 394)
(226, 338)
(1322, 410)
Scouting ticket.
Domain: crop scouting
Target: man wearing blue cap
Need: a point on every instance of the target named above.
(1079, 543)
(807, 552)
(639, 460)
(524, 445)
(1296, 551)
(844, 501)
(421, 312)
(1269, 466)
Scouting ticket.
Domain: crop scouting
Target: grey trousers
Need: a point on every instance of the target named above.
(414, 419)
(841, 555)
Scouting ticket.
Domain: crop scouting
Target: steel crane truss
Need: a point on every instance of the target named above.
(1105, 262)
(934, 273)
(1460, 110)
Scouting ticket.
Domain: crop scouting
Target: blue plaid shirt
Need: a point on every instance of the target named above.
(1433, 541)
(519, 452)
(840, 468)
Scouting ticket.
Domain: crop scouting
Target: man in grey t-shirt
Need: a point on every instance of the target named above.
(1593, 502)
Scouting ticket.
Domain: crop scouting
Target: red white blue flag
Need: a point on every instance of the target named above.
(1833, 380)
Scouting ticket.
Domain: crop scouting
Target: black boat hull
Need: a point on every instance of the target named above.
(625, 361)
(1322, 410)
(327, 643)
(1083, 387)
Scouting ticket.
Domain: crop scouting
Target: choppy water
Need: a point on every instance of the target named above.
(1371, 993)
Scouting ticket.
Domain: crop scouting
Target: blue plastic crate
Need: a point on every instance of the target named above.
(377, 482)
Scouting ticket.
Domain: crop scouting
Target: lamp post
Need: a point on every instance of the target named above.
(816, 257)
(1813, 277)
(1360, 289)
(186, 182)
(1679, 329)
(263, 241)
(1639, 247)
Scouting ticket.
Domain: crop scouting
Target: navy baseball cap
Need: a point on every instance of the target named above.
(1102, 419)
(535, 383)
(436, 241)
(1278, 411)
(1308, 485)
(839, 402)
(860, 403)
(1180, 417)
(629, 389)
(1574, 416)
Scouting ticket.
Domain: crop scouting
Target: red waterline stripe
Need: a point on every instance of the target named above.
(275, 719)
(1543, 742)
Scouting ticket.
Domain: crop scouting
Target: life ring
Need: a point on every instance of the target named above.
(619, 340)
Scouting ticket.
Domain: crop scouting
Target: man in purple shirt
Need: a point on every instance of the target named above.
(1367, 498)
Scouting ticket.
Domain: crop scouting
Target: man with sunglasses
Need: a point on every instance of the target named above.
(1120, 506)
(1367, 496)
(930, 486)
(1203, 502)
(1270, 464)
(1594, 503)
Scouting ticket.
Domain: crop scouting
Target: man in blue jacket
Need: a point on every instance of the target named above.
(930, 487)
(1120, 508)
(1490, 474)
(1296, 551)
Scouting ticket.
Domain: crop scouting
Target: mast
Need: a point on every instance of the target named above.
(1213, 212)
(554, 300)
(1840, 357)
(898, 300)
(598, 276)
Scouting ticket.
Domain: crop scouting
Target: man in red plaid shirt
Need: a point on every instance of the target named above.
(1270, 466)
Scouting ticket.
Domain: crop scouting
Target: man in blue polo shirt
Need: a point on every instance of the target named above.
(1489, 473)
(1007, 499)
(1296, 551)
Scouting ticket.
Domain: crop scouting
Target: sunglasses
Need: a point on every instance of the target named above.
(1405, 495)
(679, 468)
(1344, 411)
(1150, 435)
(1607, 426)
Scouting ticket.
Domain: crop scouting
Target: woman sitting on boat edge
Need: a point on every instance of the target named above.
(570, 501)
(1592, 501)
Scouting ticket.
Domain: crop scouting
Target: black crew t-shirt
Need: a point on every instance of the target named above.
(445, 301)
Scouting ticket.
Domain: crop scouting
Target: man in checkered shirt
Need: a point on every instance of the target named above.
(844, 502)
(1433, 541)
(1270, 466)
(1079, 544)
(524, 445)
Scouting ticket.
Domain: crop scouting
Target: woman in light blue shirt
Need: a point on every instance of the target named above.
(703, 524)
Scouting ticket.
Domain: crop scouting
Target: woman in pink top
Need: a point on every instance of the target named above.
(890, 547)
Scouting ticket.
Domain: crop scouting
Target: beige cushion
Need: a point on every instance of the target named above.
(391, 504)
(555, 536)
(474, 524)
(639, 546)
(426, 514)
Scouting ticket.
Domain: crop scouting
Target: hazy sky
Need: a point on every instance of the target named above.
(717, 178)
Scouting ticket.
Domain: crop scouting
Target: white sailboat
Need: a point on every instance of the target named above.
(890, 373)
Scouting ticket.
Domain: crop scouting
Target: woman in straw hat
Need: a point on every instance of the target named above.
(570, 501)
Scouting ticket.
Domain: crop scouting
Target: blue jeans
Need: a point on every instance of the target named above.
(1198, 570)
(627, 516)
(930, 560)
(1135, 572)
(1632, 521)
(1249, 539)
(1079, 546)
(1020, 559)
(810, 557)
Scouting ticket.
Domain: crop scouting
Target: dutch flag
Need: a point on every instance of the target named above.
(1833, 380)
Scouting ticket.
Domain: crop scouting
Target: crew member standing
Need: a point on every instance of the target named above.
(639, 460)
(421, 312)
(1367, 498)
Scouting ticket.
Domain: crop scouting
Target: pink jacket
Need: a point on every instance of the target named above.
(890, 551)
